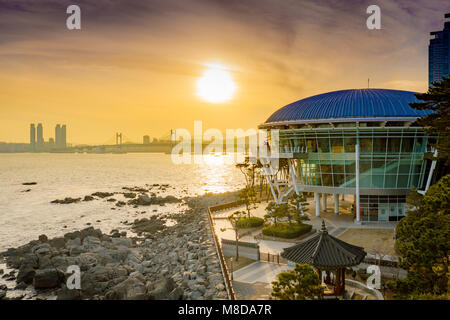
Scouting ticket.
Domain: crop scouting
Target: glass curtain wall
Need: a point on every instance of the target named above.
(390, 158)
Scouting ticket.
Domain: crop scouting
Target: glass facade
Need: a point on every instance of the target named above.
(382, 208)
(391, 162)
(390, 158)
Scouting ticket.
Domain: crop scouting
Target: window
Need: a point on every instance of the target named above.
(337, 145)
(349, 144)
(366, 145)
(394, 145)
(324, 145)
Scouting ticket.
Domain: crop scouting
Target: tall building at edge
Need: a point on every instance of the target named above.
(360, 142)
(439, 53)
(32, 137)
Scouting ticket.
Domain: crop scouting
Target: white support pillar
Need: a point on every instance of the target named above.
(336, 203)
(358, 211)
(317, 200)
(324, 202)
(430, 175)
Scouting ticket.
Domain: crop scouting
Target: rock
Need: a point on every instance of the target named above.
(88, 198)
(129, 195)
(43, 238)
(176, 294)
(57, 243)
(160, 290)
(123, 242)
(2, 294)
(47, 278)
(145, 200)
(67, 294)
(131, 289)
(151, 225)
(196, 295)
(21, 286)
(102, 194)
(2, 271)
(90, 243)
(67, 200)
(29, 183)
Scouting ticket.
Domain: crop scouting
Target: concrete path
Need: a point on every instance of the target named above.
(259, 272)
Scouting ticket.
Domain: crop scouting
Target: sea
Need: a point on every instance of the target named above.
(26, 211)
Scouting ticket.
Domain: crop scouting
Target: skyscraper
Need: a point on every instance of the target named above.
(63, 136)
(32, 137)
(58, 136)
(439, 53)
(40, 136)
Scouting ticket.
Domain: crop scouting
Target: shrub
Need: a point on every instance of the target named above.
(286, 230)
(250, 222)
(363, 274)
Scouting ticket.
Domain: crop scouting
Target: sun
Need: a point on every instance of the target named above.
(216, 85)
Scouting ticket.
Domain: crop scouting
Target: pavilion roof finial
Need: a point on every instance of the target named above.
(324, 228)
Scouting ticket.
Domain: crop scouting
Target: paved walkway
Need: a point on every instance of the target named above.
(336, 224)
(259, 272)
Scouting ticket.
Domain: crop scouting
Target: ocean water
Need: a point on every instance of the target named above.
(26, 215)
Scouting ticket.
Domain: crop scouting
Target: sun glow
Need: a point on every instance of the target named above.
(216, 85)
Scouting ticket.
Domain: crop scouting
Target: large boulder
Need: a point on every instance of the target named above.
(161, 290)
(67, 294)
(47, 279)
(131, 289)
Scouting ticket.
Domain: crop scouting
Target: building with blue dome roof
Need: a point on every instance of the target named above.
(363, 142)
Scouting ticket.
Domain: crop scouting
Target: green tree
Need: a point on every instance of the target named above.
(234, 218)
(437, 123)
(423, 242)
(299, 284)
(298, 206)
(274, 212)
(248, 197)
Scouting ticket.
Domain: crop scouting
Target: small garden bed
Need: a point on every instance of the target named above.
(286, 230)
(250, 222)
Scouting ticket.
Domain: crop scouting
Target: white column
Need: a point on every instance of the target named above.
(317, 200)
(430, 175)
(358, 211)
(324, 202)
(336, 203)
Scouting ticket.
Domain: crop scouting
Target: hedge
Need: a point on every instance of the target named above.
(251, 222)
(286, 230)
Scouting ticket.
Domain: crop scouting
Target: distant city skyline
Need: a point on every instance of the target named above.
(37, 139)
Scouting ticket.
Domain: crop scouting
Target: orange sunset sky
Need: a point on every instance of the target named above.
(134, 65)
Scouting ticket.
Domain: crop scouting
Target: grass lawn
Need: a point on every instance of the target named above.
(242, 262)
(372, 240)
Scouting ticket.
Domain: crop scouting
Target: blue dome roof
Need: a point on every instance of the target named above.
(351, 104)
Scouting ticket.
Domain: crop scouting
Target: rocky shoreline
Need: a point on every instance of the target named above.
(162, 262)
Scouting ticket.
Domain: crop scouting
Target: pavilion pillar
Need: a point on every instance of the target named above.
(327, 278)
(337, 289)
(317, 201)
(324, 202)
(343, 281)
(343, 197)
(336, 203)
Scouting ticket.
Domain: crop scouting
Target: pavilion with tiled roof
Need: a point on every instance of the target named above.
(326, 253)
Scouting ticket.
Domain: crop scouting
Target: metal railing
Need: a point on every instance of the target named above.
(223, 265)
(274, 258)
